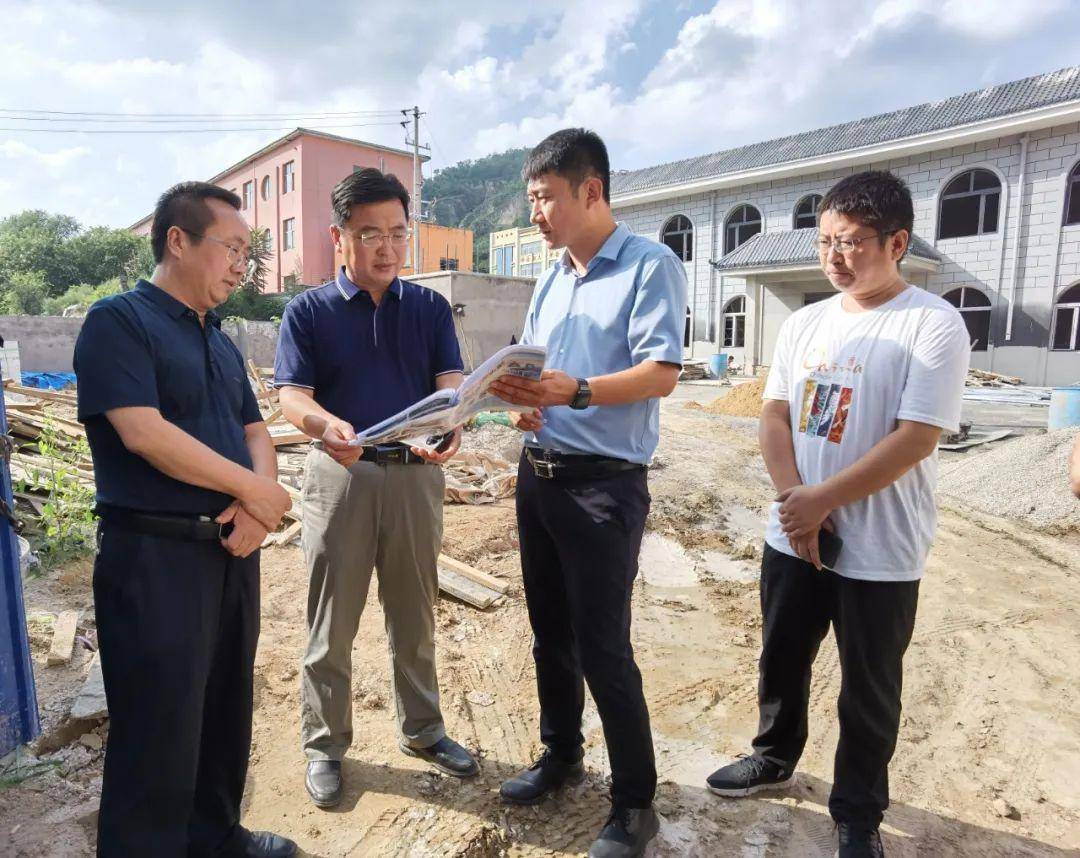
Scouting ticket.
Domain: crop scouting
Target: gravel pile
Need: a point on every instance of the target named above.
(1025, 479)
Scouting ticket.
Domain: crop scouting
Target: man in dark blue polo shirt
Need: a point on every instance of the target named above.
(350, 354)
(187, 490)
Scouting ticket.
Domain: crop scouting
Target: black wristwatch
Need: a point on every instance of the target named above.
(583, 396)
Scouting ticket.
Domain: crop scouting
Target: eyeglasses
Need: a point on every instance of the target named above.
(373, 238)
(234, 254)
(848, 245)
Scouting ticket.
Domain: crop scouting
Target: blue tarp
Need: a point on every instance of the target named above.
(19, 721)
(48, 380)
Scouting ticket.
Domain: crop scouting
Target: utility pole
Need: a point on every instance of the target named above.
(417, 201)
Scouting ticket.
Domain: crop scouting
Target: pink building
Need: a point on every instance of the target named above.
(285, 188)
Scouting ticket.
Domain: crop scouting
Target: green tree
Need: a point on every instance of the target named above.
(81, 297)
(36, 241)
(100, 253)
(24, 293)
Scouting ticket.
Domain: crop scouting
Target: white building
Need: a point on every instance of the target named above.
(995, 176)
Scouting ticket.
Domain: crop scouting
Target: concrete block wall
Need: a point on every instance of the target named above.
(1049, 252)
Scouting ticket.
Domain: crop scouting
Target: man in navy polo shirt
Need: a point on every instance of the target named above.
(611, 314)
(186, 490)
(351, 353)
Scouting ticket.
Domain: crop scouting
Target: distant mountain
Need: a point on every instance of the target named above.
(485, 196)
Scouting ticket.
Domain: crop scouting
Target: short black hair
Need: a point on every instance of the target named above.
(576, 154)
(365, 186)
(184, 205)
(875, 198)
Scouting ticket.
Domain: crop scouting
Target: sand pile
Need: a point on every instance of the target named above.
(744, 400)
(1025, 479)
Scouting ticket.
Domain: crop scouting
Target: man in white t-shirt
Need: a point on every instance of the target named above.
(860, 388)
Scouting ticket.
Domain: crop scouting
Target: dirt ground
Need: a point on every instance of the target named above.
(991, 698)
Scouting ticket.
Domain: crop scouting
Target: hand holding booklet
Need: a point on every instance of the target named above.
(445, 410)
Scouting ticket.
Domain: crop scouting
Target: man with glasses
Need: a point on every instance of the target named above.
(351, 353)
(859, 389)
(186, 491)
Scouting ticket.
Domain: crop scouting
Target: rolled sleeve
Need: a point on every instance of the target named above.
(657, 320)
(114, 363)
(294, 360)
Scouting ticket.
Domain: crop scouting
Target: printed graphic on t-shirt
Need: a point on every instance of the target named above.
(824, 410)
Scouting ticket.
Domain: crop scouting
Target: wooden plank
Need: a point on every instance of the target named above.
(467, 591)
(40, 393)
(482, 578)
(63, 638)
(288, 534)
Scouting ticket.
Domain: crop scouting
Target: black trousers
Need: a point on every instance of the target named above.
(873, 622)
(579, 557)
(178, 623)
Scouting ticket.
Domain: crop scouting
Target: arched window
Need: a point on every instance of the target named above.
(735, 323)
(969, 205)
(266, 188)
(269, 237)
(1067, 320)
(1072, 195)
(741, 224)
(678, 234)
(806, 211)
(974, 309)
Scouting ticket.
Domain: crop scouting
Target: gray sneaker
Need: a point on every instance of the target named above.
(626, 834)
(748, 775)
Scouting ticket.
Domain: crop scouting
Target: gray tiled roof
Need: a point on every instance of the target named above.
(794, 247)
(995, 101)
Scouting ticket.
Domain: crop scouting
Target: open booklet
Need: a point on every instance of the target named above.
(444, 410)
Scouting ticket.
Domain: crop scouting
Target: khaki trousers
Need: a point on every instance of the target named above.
(386, 517)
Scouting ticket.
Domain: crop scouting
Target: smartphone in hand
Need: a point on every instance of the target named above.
(829, 547)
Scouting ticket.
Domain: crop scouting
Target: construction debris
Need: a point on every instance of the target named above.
(476, 478)
(973, 439)
(983, 378)
(90, 704)
(694, 370)
(63, 638)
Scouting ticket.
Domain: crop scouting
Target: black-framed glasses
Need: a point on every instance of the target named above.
(848, 245)
(233, 253)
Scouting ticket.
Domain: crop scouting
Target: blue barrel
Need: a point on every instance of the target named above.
(1064, 408)
(718, 364)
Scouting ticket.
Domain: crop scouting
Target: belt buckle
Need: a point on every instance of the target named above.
(395, 455)
(544, 469)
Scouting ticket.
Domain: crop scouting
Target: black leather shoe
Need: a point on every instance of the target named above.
(626, 834)
(323, 782)
(544, 776)
(859, 841)
(447, 756)
(264, 844)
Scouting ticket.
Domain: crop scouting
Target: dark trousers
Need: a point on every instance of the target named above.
(579, 558)
(178, 623)
(873, 622)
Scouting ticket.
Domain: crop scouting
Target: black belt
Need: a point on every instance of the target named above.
(196, 528)
(549, 465)
(386, 454)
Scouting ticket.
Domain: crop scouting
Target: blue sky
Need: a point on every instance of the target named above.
(658, 80)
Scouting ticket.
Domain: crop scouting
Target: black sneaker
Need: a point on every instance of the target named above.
(544, 776)
(748, 775)
(626, 834)
(859, 841)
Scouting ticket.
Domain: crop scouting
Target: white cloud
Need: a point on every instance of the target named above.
(56, 160)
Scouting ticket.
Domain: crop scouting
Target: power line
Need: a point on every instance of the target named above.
(185, 130)
(180, 116)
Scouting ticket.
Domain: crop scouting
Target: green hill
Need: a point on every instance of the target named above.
(484, 195)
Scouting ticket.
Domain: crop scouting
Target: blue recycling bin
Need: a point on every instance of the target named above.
(19, 722)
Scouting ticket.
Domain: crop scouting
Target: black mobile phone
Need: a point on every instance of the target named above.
(443, 441)
(829, 546)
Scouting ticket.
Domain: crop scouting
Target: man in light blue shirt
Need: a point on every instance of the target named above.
(611, 314)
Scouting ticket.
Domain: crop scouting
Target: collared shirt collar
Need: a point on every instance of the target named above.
(176, 309)
(608, 250)
(349, 290)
